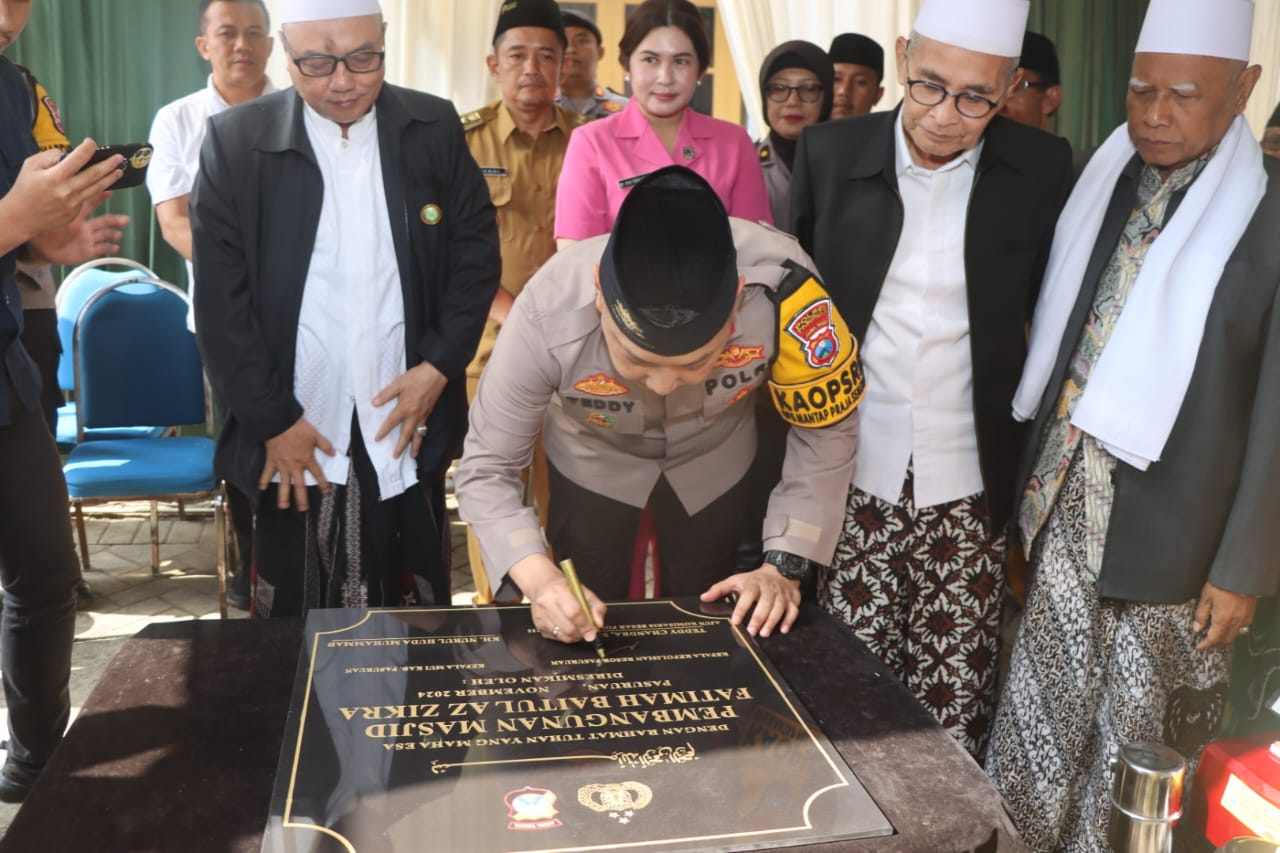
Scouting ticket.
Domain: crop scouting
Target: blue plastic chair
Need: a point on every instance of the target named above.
(135, 362)
(80, 284)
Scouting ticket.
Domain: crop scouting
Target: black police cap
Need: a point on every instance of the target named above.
(574, 19)
(857, 49)
(530, 13)
(669, 274)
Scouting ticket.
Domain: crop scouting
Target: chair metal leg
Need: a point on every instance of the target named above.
(84, 538)
(220, 537)
(155, 539)
(182, 510)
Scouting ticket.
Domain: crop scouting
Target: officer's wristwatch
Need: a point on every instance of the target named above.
(793, 567)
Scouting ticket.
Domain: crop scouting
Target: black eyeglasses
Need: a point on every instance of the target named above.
(324, 64)
(969, 105)
(809, 93)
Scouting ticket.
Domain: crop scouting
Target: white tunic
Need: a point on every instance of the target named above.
(177, 133)
(919, 368)
(351, 327)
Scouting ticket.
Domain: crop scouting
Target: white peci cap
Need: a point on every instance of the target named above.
(994, 27)
(300, 11)
(1221, 28)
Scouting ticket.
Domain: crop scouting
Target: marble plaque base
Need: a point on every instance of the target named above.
(464, 730)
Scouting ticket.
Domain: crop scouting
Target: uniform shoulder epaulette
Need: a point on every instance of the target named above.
(474, 119)
(766, 153)
(612, 107)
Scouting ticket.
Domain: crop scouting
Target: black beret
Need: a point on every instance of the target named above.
(530, 13)
(1039, 55)
(574, 19)
(857, 49)
(669, 274)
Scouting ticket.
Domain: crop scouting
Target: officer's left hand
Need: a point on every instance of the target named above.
(416, 392)
(775, 598)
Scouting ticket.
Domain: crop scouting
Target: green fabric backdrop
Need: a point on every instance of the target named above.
(109, 65)
(1095, 40)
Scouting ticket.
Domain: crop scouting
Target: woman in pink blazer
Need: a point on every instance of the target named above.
(665, 51)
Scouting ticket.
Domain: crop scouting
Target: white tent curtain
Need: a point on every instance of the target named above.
(437, 46)
(755, 27)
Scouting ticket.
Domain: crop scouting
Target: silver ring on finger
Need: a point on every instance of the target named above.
(421, 430)
(1244, 630)
(555, 630)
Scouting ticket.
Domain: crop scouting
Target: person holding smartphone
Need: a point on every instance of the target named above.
(38, 565)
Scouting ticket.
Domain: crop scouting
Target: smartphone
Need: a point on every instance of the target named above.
(137, 156)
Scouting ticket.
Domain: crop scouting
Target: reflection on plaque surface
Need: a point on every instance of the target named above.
(464, 730)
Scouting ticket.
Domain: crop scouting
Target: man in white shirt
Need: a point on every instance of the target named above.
(930, 226)
(347, 254)
(235, 39)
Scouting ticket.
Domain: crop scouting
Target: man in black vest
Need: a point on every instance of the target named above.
(931, 226)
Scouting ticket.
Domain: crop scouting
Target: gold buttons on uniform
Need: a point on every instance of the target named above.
(431, 214)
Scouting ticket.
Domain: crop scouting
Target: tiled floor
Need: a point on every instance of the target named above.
(127, 596)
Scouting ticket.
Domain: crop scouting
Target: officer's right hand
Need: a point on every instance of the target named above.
(291, 454)
(555, 610)
(51, 190)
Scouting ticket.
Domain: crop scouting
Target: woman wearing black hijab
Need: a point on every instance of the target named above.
(796, 84)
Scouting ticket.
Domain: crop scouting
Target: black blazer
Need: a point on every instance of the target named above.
(848, 215)
(254, 213)
(1208, 510)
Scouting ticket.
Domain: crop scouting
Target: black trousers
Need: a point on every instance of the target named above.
(599, 533)
(40, 337)
(396, 553)
(39, 571)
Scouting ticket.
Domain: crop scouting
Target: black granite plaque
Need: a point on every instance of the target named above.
(464, 730)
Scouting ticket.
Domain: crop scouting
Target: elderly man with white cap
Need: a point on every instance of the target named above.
(931, 226)
(1152, 484)
(347, 255)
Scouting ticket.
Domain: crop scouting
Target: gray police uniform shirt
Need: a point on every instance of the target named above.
(601, 103)
(777, 180)
(551, 371)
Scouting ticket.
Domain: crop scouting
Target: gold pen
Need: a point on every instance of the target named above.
(575, 585)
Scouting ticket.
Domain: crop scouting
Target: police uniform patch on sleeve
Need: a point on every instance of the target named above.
(611, 107)
(816, 379)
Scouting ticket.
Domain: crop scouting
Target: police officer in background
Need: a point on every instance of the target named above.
(636, 353)
(579, 89)
(796, 81)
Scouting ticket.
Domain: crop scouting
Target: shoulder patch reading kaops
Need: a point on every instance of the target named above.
(816, 378)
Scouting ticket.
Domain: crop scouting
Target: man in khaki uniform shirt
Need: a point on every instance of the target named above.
(636, 354)
(519, 143)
